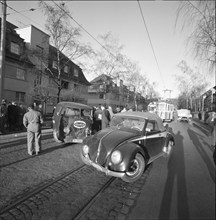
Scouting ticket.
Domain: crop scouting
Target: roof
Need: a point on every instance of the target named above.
(102, 77)
(74, 104)
(81, 79)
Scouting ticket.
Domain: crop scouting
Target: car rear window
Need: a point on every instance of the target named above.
(72, 112)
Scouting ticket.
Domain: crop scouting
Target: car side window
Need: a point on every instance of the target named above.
(152, 126)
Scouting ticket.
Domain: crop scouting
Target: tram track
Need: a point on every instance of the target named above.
(84, 210)
(81, 190)
(115, 192)
(43, 187)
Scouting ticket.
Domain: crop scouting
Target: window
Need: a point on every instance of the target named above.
(51, 82)
(20, 97)
(54, 64)
(37, 81)
(66, 69)
(64, 84)
(20, 74)
(76, 72)
(15, 48)
(152, 126)
(101, 96)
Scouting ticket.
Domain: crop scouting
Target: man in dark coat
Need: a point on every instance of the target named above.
(13, 116)
(98, 118)
(105, 117)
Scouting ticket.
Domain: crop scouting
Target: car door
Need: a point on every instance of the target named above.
(155, 139)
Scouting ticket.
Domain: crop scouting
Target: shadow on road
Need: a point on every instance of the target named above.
(176, 175)
(205, 131)
(194, 138)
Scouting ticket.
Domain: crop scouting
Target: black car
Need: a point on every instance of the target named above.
(133, 140)
(72, 122)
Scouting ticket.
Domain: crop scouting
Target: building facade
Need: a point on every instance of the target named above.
(46, 78)
(105, 91)
(17, 68)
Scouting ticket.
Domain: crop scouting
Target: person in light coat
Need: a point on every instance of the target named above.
(33, 121)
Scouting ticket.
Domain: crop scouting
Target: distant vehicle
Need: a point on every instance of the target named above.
(133, 140)
(152, 107)
(163, 109)
(72, 122)
(184, 115)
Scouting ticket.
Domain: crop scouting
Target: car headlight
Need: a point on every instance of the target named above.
(85, 149)
(116, 157)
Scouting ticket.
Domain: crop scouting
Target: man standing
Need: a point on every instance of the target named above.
(33, 121)
(98, 118)
(3, 116)
(105, 117)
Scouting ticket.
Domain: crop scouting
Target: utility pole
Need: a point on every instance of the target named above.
(2, 48)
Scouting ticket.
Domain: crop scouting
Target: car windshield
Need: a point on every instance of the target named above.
(128, 122)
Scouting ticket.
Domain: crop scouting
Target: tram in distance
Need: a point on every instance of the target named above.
(163, 109)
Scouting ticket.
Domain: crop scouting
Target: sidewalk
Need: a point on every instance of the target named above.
(205, 128)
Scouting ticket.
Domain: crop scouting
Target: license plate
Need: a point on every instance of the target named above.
(78, 140)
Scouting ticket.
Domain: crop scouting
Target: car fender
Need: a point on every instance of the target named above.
(128, 151)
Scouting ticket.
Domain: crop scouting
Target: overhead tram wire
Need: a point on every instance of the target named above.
(151, 43)
(91, 36)
(31, 9)
(24, 15)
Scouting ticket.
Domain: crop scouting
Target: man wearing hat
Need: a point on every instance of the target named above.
(3, 115)
(33, 121)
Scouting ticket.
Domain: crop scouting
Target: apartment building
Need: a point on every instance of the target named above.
(17, 68)
(45, 85)
(106, 91)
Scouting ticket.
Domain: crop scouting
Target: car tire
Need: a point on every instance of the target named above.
(136, 169)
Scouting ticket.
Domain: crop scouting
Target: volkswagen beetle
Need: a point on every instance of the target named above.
(133, 140)
(72, 122)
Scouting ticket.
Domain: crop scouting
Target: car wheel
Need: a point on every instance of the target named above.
(136, 169)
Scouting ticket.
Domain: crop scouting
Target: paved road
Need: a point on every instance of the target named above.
(183, 185)
(179, 187)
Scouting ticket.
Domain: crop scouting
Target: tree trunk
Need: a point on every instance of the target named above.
(58, 94)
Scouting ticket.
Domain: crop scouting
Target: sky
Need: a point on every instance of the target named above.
(124, 20)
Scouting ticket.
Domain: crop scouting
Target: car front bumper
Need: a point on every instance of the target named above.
(100, 168)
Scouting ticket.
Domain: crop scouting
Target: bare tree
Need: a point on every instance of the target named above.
(191, 84)
(109, 59)
(65, 41)
(199, 19)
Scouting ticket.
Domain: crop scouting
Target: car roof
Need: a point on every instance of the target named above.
(146, 115)
(73, 104)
